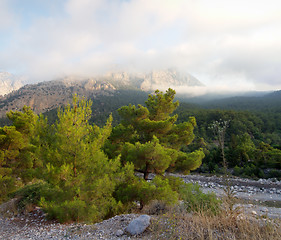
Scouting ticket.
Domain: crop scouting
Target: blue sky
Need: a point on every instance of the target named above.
(228, 45)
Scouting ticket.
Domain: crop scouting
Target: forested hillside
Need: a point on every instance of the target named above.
(252, 139)
(103, 106)
(269, 102)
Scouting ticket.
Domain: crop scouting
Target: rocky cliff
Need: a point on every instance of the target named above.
(45, 96)
(161, 79)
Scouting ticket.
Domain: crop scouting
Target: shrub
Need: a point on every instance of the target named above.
(237, 171)
(217, 170)
(175, 182)
(204, 168)
(156, 208)
(195, 200)
(274, 173)
(67, 211)
(31, 194)
(145, 192)
(8, 184)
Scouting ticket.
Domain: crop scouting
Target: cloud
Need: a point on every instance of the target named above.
(7, 18)
(227, 43)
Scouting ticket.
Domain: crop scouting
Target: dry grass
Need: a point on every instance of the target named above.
(178, 224)
(8, 209)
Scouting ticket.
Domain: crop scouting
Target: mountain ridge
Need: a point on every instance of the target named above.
(48, 95)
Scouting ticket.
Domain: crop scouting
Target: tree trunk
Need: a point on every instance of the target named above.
(141, 204)
(146, 173)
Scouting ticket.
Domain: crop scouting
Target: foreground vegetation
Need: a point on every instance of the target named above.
(179, 224)
(78, 171)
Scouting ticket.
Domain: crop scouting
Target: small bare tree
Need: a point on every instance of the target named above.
(219, 129)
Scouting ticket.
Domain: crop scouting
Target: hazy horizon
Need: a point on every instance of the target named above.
(228, 46)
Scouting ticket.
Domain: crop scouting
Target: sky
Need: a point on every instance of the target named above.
(226, 44)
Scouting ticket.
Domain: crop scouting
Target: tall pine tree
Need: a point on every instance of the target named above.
(81, 177)
(149, 137)
(17, 160)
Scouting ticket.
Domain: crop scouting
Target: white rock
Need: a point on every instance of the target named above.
(138, 225)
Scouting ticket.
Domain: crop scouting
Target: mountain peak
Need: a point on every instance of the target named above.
(155, 79)
(169, 78)
(10, 82)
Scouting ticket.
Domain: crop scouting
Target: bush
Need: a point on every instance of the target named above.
(237, 171)
(30, 194)
(156, 208)
(248, 171)
(8, 184)
(274, 173)
(67, 211)
(217, 170)
(175, 182)
(145, 192)
(195, 200)
(204, 168)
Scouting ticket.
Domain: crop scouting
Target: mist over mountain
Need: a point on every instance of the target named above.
(45, 96)
(257, 101)
(10, 82)
(49, 95)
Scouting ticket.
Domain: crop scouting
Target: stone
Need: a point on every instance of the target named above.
(119, 233)
(254, 212)
(138, 225)
(264, 209)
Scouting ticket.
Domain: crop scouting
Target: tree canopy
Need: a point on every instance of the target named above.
(149, 138)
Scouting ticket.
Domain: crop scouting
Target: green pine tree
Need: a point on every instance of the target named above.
(17, 160)
(149, 138)
(82, 179)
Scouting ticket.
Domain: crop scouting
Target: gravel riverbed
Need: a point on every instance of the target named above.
(259, 192)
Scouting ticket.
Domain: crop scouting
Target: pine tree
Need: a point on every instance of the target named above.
(81, 177)
(17, 160)
(149, 137)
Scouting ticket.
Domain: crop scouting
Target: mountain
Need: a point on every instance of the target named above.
(170, 78)
(161, 79)
(45, 96)
(10, 82)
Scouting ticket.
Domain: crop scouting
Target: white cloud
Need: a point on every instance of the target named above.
(7, 18)
(227, 42)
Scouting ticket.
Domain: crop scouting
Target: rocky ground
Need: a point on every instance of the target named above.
(35, 226)
(262, 196)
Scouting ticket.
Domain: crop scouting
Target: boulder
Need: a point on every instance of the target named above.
(138, 225)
